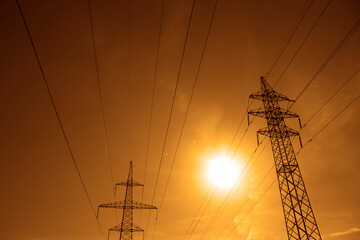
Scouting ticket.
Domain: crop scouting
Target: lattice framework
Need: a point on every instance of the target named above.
(299, 216)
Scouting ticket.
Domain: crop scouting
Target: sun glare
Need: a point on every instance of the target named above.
(222, 171)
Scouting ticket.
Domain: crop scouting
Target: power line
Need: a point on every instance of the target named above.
(268, 73)
(227, 152)
(338, 47)
(281, 52)
(189, 104)
(153, 96)
(153, 89)
(197, 212)
(101, 97)
(277, 59)
(271, 68)
(302, 43)
(57, 115)
(232, 157)
(129, 83)
(292, 35)
(307, 7)
(239, 177)
(242, 206)
(172, 107)
(331, 97)
(251, 208)
(320, 16)
(226, 201)
(302, 16)
(232, 190)
(202, 213)
(333, 119)
(245, 114)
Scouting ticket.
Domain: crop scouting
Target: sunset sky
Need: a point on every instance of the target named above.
(42, 197)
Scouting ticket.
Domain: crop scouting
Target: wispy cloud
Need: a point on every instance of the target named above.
(251, 233)
(351, 230)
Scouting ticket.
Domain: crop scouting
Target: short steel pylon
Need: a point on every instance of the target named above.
(299, 217)
(127, 227)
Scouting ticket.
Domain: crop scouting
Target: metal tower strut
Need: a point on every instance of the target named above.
(127, 227)
(299, 216)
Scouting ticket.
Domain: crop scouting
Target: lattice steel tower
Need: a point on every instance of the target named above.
(299, 217)
(127, 227)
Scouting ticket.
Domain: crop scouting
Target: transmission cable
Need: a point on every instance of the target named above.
(234, 188)
(331, 97)
(307, 7)
(237, 180)
(153, 89)
(244, 115)
(250, 195)
(302, 44)
(301, 18)
(292, 35)
(172, 107)
(100, 90)
(198, 211)
(129, 83)
(226, 201)
(338, 47)
(327, 124)
(202, 213)
(101, 100)
(273, 65)
(227, 152)
(58, 116)
(251, 208)
(189, 104)
(187, 110)
(153, 97)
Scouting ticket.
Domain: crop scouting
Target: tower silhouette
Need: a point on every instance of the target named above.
(299, 216)
(127, 227)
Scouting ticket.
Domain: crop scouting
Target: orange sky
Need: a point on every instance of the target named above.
(41, 195)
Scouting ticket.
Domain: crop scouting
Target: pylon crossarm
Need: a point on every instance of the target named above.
(264, 131)
(119, 205)
(138, 205)
(131, 205)
(280, 114)
(289, 132)
(134, 228)
(132, 183)
(285, 132)
(262, 95)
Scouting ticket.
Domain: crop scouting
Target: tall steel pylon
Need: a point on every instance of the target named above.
(127, 227)
(299, 216)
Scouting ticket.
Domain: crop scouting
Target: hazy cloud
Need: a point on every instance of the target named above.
(351, 230)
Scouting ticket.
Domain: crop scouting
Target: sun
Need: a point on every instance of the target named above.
(222, 171)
